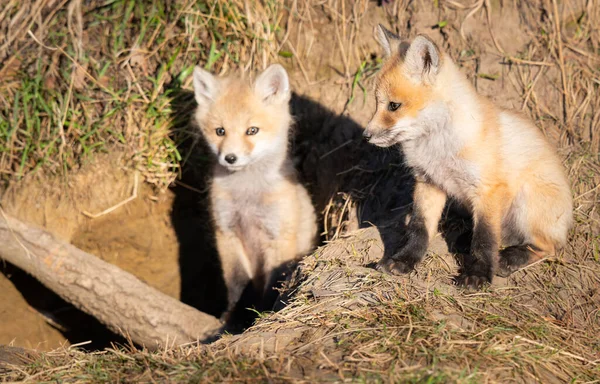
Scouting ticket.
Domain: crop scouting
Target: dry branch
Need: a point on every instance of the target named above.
(116, 298)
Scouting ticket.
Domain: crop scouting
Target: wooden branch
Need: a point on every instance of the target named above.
(116, 298)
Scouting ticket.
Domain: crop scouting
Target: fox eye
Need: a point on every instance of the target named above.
(252, 131)
(220, 131)
(393, 106)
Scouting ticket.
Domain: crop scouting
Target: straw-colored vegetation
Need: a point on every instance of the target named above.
(79, 78)
(85, 77)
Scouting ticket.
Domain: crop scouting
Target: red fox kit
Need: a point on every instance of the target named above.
(458, 144)
(263, 216)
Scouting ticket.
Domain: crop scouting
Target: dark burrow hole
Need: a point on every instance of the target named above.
(332, 160)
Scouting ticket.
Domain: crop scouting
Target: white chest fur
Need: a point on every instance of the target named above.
(434, 156)
(241, 204)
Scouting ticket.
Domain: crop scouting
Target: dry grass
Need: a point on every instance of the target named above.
(82, 77)
(346, 322)
(343, 320)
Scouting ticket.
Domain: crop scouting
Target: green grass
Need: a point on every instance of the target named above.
(112, 86)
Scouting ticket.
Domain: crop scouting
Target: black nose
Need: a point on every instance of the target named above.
(231, 158)
(366, 135)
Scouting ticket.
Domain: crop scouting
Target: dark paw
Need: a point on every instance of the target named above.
(512, 259)
(473, 281)
(402, 260)
(505, 268)
(394, 267)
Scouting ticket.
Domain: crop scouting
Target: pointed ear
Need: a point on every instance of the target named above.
(273, 85)
(389, 41)
(205, 86)
(422, 61)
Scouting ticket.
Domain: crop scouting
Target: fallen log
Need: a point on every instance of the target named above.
(116, 298)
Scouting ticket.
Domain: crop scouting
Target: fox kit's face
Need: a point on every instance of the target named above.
(399, 102)
(402, 90)
(243, 123)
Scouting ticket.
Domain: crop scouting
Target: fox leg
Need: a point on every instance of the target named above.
(480, 263)
(541, 219)
(516, 257)
(237, 268)
(278, 254)
(428, 204)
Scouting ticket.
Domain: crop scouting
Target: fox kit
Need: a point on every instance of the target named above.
(458, 144)
(263, 216)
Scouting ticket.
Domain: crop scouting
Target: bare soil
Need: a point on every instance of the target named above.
(157, 237)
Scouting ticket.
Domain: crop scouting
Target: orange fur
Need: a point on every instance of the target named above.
(392, 85)
(263, 216)
(460, 144)
(431, 201)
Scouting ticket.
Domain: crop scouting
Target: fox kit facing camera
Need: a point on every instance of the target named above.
(458, 144)
(263, 216)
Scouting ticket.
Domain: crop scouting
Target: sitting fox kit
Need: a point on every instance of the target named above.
(458, 144)
(263, 216)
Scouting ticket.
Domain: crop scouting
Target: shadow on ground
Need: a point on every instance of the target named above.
(352, 184)
(75, 325)
(334, 163)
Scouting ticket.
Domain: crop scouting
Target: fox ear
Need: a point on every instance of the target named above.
(422, 61)
(205, 86)
(273, 85)
(389, 41)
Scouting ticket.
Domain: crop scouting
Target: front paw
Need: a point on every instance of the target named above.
(404, 260)
(398, 260)
(394, 267)
(473, 281)
(476, 274)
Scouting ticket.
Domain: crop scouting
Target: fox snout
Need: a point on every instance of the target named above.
(231, 158)
(378, 136)
(232, 161)
(371, 133)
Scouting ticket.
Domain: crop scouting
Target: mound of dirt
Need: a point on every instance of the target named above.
(343, 318)
(158, 237)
